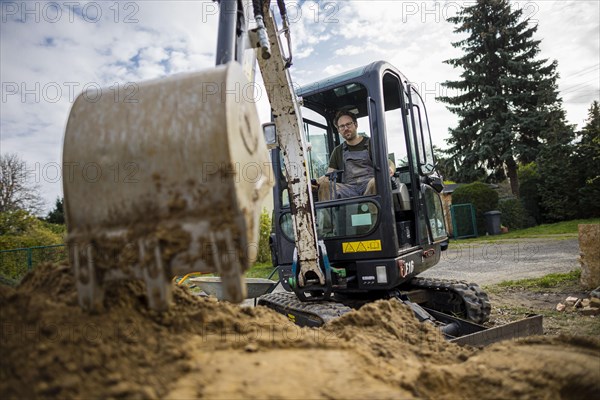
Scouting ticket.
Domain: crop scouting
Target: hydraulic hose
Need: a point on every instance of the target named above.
(257, 6)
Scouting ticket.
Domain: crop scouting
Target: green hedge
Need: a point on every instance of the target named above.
(264, 251)
(514, 215)
(19, 229)
(16, 263)
(529, 180)
(481, 196)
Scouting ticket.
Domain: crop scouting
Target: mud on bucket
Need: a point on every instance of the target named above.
(170, 182)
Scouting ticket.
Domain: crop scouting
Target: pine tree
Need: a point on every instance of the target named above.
(57, 215)
(506, 97)
(588, 156)
(557, 168)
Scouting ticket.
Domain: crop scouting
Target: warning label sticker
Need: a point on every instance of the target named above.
(361, 247)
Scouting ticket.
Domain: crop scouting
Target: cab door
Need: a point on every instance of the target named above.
(419, 219)
(431, 215)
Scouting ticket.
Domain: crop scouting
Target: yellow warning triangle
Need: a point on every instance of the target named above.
(348, 248)
(361, 247)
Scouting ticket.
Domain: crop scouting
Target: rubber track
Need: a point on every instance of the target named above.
(324, 310)
(475, 301)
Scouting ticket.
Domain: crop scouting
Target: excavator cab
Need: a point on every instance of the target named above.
(374, 245)
(383, 238)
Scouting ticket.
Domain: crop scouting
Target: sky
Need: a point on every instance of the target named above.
(52, 51)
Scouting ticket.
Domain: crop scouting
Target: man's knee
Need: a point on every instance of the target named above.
(324, 190)
(370, 190)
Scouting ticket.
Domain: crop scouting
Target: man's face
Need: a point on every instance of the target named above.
(347, 128)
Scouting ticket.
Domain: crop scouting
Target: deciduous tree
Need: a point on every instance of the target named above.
(16, 193)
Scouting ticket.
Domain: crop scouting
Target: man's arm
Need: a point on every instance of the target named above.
(333, 163)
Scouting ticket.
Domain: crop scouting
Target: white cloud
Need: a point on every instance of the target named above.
(308, 29)
(354, 50)
(333, 69)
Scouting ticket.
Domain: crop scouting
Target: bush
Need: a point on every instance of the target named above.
(264, 251)
(514, 215)
(528, 189)
(481, 196)
(19, 229)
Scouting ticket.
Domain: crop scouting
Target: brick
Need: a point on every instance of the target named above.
(570, 301)
(585, 303)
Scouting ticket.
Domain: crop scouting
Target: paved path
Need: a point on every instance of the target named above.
(489, 263)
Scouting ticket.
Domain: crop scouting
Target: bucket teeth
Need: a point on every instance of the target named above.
(154, 260)
(158, 286)
(90, 292)
(226, 258)
(92, 268)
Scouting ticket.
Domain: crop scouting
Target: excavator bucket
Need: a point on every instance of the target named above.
(165, 182)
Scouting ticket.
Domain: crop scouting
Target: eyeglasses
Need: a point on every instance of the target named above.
(345, 126)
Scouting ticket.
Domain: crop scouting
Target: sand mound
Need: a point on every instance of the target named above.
(202, 348)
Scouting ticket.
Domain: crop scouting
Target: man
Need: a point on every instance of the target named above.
(353, 156)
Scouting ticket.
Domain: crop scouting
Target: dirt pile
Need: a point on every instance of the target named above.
(202, 348)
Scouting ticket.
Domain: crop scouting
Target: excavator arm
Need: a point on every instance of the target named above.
(311, 270)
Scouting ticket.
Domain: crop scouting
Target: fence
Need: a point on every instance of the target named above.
(15, 263)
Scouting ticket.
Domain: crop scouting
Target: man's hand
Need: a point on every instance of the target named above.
(321, 180)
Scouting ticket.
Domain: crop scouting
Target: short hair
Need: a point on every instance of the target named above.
(341, 113)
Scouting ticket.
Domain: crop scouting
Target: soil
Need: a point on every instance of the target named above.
(201, 348)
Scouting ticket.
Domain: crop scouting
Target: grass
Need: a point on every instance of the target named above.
(545, 282)
(260, 270)
(566, 229)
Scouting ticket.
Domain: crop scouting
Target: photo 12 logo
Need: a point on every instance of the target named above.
(315, 11)
(53, 12)
(53, 92)
(89, 172)
(435, 12)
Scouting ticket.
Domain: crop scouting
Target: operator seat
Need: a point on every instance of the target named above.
(400, 196)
